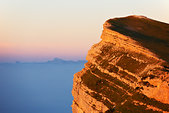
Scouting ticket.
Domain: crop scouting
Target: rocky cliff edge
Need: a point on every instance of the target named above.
(127, 71)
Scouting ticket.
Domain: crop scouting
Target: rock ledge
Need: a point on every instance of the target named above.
(128, 71)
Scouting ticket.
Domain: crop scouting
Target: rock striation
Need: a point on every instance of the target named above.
(127, 71)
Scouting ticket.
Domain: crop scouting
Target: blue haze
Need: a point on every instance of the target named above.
(37, 87)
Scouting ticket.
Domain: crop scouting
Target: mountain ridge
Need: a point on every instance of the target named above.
(127, 71)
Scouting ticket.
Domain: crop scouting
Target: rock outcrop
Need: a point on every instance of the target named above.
(127, 71)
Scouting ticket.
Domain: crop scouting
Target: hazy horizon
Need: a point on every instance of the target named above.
(43, 61)
(38, 30)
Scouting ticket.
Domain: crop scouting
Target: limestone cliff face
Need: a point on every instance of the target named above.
(128, 71)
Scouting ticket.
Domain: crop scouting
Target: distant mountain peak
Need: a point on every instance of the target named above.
(57, 59)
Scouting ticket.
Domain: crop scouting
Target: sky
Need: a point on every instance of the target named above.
(40, 30)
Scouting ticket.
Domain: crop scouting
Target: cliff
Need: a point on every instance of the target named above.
(127, 71)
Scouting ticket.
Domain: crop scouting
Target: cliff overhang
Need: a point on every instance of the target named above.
(128, 71)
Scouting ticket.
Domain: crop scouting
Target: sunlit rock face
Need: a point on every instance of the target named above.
(127, 71)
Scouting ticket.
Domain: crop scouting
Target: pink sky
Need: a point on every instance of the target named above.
(39, 30)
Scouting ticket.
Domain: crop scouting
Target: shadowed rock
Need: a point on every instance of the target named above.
(151, 34)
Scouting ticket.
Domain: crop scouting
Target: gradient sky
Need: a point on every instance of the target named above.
(39, 30)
